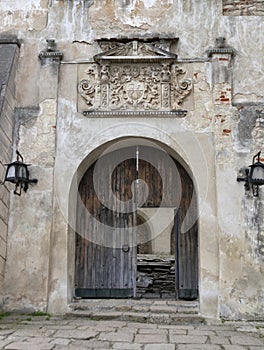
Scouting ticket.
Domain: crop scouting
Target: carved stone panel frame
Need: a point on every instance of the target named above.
(132, 78)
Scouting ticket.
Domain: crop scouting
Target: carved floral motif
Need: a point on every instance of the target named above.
(180, 87)
(88, 86)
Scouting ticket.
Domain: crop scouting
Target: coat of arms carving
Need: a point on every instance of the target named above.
(132, 77)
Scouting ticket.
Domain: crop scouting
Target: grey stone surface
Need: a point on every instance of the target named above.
(198, 347)
(71, 333)
(159, 347)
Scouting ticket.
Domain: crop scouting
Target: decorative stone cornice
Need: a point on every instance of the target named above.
(220, 51)
(135, 51)
(220, 48)
(127, 114)
(162, 42)
(51, 53)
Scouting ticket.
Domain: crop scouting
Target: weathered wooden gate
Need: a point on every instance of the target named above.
(105, 260)
(186, 249)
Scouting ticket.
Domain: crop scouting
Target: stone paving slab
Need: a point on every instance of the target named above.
(198, 347)
(17, 333)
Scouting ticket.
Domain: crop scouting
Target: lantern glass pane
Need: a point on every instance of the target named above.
(258, 174)
(22, 172)
(11, 172)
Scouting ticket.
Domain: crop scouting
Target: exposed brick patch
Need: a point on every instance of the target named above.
(243, 7)
(222, 94)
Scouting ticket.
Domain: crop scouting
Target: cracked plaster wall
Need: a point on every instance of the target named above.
(225, 112)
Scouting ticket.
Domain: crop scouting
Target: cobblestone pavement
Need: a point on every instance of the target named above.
(46, 333)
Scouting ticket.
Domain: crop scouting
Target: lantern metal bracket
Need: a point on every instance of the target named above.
(247, 175)
(243, 176)
(17, 173)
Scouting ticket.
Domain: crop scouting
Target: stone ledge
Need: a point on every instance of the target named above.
(221, 51)
(127, 114)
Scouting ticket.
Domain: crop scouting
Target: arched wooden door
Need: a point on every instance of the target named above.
(106, 242)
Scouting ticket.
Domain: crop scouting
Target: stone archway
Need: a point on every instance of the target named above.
(185, 147)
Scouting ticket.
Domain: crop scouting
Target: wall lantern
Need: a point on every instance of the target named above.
(17, 173)
(253, 176)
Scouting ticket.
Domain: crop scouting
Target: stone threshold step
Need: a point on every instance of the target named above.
(153, 310)
(184, 308)
(159, 318)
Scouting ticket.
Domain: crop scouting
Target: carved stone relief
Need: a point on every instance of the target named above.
(132, 77)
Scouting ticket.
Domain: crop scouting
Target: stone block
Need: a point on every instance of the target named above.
(135, 316)
(141, 309)
(8, 110)
(123, 307)
(2, 169)
(127, 346)
(219, 340)
(9, 97)
(152, 331)
(76, 334)
(246, 340)
(202, 332)
(161, 309)
(89, 344)
(178, 331)
(198, 347)
(117, 337)
(106, 315)
(2, 248)
(142, 325)
(243, 8)
(6, 127)
(33, 331)
(5, 342)
(160, 346)
(61, 341)
(188, 339)
(2, 266)
(4, 197)
(5, 158)
(235, 347)
(26, 346)
(151, 338)
(5, 147)
(3, 211)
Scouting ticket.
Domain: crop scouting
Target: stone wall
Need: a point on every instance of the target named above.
(243, 7)
(223, 129)
(155, 276)
(9, 50)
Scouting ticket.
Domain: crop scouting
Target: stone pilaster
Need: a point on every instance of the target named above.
(222, 85)
(36, 140)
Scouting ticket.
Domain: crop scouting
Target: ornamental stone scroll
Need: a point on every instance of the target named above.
(133, 78)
